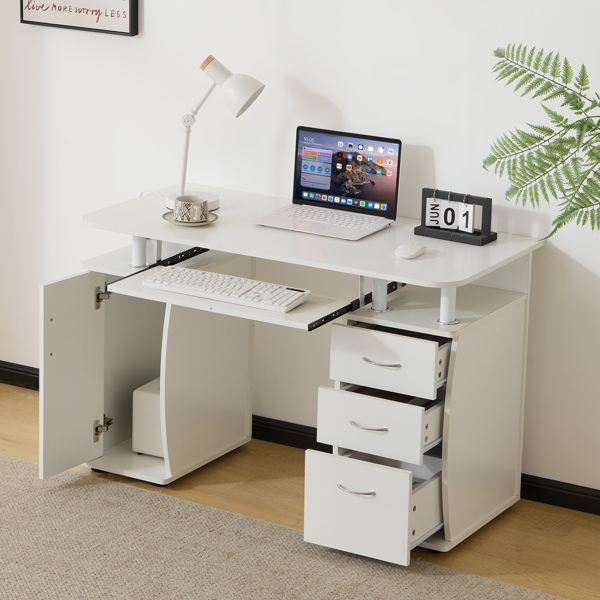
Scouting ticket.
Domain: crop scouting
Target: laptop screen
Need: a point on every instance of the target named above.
(347, 171)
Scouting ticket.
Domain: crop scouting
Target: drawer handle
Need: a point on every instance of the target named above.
(345, 489)
(359, 426)
(377, 364)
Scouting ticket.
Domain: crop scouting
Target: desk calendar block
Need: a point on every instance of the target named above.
(451, 216)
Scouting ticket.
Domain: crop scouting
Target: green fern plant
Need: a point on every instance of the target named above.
(558, 160)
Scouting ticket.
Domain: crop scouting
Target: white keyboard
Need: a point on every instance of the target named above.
(331, 217)
(226, 288)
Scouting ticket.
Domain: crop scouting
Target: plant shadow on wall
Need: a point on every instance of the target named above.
(559, 160)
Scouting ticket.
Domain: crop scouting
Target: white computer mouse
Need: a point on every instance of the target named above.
(410, 250)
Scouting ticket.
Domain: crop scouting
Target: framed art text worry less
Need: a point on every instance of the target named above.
(105, 16)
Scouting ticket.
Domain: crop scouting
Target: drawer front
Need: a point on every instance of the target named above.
(377, 426)
(388, 361)
(366, 508)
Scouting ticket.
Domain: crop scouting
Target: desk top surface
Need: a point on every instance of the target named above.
(444, 263)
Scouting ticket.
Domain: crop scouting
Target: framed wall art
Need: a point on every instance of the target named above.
(104, 16)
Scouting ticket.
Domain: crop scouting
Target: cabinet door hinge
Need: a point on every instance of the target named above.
(99, 429)
(99, 296)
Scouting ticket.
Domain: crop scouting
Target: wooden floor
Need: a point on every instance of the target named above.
(532, 545)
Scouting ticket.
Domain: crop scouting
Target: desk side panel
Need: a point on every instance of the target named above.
(205, 400)
(483, 422)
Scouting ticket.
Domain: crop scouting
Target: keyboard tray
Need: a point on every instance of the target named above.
(314, 309)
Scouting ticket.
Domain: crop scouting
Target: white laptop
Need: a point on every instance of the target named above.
(345, 185)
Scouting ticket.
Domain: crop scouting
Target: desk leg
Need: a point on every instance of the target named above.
(448, 307)
(361, 290)
(138, 252)
(379, 298)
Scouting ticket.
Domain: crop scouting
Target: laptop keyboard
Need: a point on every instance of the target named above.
(331, 217)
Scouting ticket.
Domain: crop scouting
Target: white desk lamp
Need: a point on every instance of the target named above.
(239, 92)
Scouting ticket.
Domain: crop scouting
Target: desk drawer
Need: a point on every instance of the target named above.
(388, 361)
(368, 508)
(391, 428)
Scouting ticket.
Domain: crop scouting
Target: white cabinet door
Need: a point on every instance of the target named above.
(71, 373)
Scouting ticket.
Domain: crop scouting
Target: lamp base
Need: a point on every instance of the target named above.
(195, 190)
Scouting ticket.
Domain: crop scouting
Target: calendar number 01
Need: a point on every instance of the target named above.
(450, 215)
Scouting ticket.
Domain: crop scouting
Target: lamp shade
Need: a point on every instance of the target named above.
(239, 90)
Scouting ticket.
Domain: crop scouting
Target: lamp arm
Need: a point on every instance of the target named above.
(188, 120)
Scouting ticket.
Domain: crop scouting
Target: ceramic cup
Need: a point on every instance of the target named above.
(190, 209)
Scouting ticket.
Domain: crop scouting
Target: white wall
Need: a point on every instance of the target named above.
(89, 119)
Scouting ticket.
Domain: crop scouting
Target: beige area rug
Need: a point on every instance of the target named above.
(75, 536)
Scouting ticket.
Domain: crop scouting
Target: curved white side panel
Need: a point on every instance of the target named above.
(205, 398)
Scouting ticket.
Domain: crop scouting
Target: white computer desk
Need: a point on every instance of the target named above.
(445, 266)
(95, 352)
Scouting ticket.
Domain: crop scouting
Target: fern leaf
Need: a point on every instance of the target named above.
(593, 153)
(525, 79)
(591, 190)
(544, 191)
(565, 217)
(558, 161)
(555, 117)
(543, 130)
(523, 55)
(530, 57)
(550, 185)
(543, 162)
(545, 66)
(557, 93)
(582, 81)
(576, 166)
(507, 71)
(501, 64)
(512, 78)
(511, 192)
(555, 68)
(500, 168)
(581, 132)
(516, 52)
(534, 85)
(522, 196)
(504, 146)
(567, 72)
(574, 102)
(596, 219)
(559, 182)
(523, 139)
(489, 161)
(545, 89)
(535, 198)
(568, 174)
